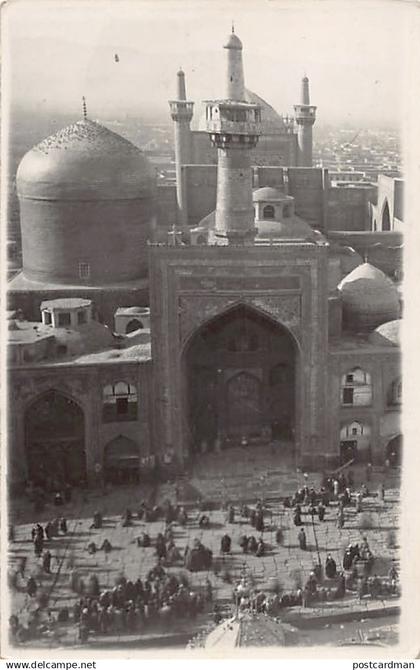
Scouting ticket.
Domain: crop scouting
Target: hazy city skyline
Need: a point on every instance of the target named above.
(353, 55)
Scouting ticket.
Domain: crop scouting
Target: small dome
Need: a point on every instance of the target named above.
(270, 194)
(208, 222)
(85, 161)
(247, 630)
(388, 334)
(233, 42)
(290, 229)
(369, 298)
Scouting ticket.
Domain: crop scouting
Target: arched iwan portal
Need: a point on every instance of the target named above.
(240, 371)
(55, 440)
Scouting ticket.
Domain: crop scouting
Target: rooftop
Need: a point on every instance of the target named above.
(65, 303)
(129, 311)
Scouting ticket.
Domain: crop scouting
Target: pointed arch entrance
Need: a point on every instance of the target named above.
(240, 381)
(394, 451)
(121, 460)
(55, 440)
(386, 218)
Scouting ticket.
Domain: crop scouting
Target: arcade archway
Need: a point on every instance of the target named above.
(55, 440)
(240, 371)
(121, 460)
(394, 451)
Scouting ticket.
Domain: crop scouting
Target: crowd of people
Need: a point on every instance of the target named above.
(131, 607)
(162, 597)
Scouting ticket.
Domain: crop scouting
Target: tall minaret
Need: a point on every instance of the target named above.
(234, 127)
(305, 119)
(181, 113)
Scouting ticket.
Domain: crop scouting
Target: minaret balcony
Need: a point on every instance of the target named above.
(223, 126)
(229, 117)
(181, 110)
(305, 114)
(233, 140)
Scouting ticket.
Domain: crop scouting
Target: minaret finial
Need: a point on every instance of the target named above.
(84, 108)
(233, 27)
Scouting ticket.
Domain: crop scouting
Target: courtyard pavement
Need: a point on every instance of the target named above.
(231, 477)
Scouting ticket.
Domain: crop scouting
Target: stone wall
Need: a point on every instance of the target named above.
(384, 366)
(348, 208)
(309, 187)
(84, 385)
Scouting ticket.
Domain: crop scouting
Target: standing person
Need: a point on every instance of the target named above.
(330, 567)
(362, 587)
(259, 521)
(38, 545)
(231, 514)
(22, 566)
(340, 518)
(302, 539)
(359, 501)
(336, 488)
(58, 499)
(46, 562)
(305, 596)
(31, 587)
(369, 472)
(341, 586)
(381, 493)
(321, 511)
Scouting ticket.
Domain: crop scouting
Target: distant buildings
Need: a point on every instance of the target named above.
(227, 309)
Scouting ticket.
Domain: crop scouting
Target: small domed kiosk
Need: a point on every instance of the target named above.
(275, 216)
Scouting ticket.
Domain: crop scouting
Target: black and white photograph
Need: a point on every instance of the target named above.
(204, 208)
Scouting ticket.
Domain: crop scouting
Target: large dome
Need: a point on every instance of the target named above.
(369, 298)
(84, 161)
(87, 208)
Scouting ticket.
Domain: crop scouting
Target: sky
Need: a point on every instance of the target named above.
(353, 52)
